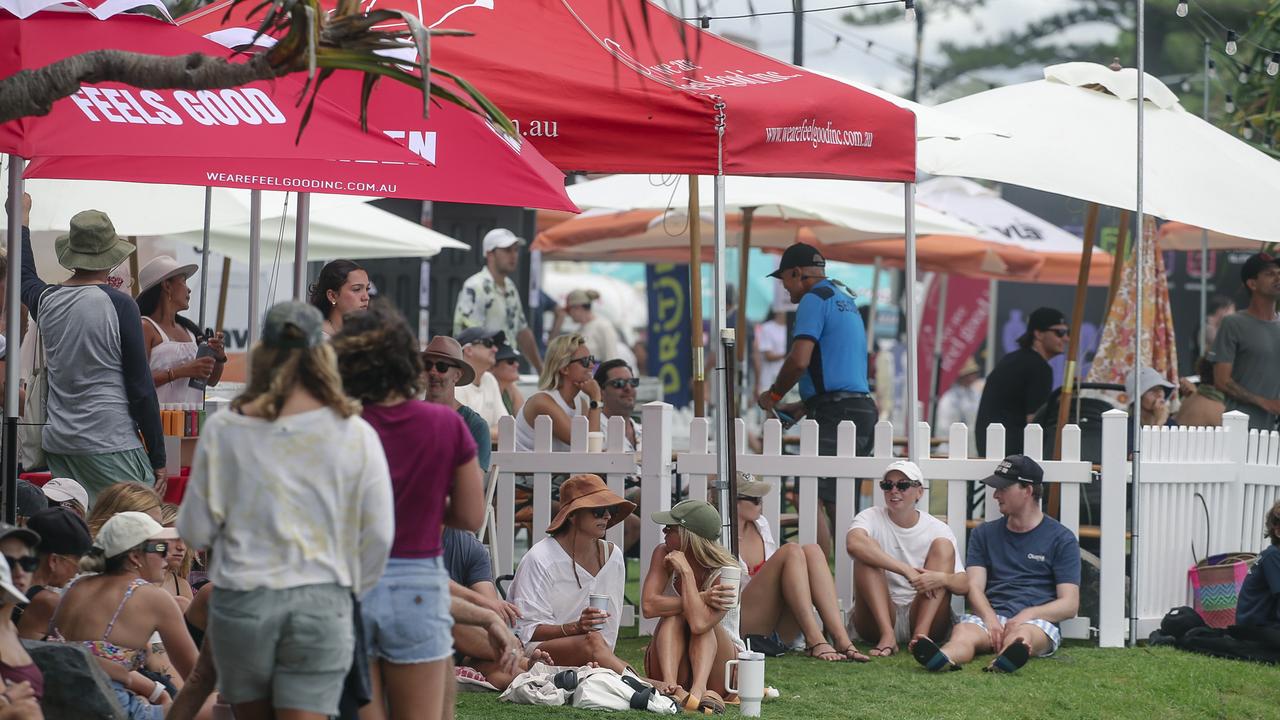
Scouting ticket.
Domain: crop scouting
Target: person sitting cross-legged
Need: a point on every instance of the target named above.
(1024, 579)
(905, 565)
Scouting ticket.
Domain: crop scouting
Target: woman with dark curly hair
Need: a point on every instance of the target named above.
(436, 481)
(342, 288)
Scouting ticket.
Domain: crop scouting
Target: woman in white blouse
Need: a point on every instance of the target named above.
(290, 490)
(784, 585)
(556, 578)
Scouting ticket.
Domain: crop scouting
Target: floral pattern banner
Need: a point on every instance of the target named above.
(1113, 362)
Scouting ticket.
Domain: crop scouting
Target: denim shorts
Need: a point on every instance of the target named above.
(135, 707)
(292, 646)
(406, 615)
(1048, 628)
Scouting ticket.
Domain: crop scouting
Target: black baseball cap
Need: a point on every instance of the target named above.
(1043, 319)
(31, 499)
(506, 352)
(1015, 469)
(799, 255)
(476, 334)
(1255, 265)
(61, 531)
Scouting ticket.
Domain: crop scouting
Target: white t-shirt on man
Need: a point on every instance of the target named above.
(910, 545)
(485, 399)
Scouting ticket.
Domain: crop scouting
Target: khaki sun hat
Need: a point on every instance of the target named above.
(589, 491)
(443, 347)
(92, 243)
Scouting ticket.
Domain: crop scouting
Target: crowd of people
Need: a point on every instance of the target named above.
(323, 559)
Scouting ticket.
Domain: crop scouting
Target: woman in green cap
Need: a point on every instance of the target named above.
(697, 631)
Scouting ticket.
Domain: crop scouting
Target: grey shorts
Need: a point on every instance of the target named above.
(292, 647)
(406, 615)
(99, 472)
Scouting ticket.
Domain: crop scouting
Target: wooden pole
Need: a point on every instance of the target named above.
(1117, 266)
(1073, 345)
(744, 252)
(695, 298)
(222, 293)
(133, 268)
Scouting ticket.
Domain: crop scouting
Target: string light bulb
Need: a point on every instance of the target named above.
(1243, 77)
(1183, 9)
(911, 10)
(1273, 65)
(1230, 104)
(1231, 42)
(1247, 132)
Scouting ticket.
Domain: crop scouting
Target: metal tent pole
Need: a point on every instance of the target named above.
(255, 263)
(13, 332)
(301, 229)
(1204, 234)
(1138, 241)
(204, 254)
(913, 328)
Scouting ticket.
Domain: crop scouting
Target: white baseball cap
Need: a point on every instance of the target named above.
(908, 468)
(500, 238)
(64, 489)
(127, 530)
(1147, 379)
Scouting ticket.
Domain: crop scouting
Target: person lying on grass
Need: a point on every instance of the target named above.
(784, 585)
(1024, 578)
(905, 566)
(698, 630)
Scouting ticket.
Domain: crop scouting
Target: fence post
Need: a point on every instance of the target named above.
(846, 500)
(1115, 478)
(995, 451)
(923, 436)
(958, 501)
(1236, 425)
(505, 523)
(773, 500)
(807, 522)
(615, 434)
(655, 485)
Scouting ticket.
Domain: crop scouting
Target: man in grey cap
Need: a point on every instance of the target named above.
(101, 393)
(490, 299)
(828, 357)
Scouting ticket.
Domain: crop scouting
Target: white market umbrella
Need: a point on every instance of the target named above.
(931, 122)
(1073, 134)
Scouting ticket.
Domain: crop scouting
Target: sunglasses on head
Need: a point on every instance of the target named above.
(585, 362)
(441, 366)
(748, 498)
(26, 562)
(600, 512)
(158, 547)
(620, 383)
(902, 485)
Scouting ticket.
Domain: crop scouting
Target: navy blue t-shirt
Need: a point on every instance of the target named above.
(1024, 569)
(828, 316)
(1259, 602)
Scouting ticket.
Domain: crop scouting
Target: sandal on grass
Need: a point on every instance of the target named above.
(811, 651)
(850, 652)
(1013, 657)
(711, 703)
(687, 701)
(927, 653)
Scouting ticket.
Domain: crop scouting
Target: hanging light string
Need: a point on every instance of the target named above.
(1233, 39)
(705, 20)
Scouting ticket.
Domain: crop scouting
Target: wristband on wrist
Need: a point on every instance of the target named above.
(156, 692)
(774, 395)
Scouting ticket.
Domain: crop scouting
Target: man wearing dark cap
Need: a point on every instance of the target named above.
(64, 538)
(1022, 380)
(482, 394)
(828, 356)
(1246, 352)
(1024, 579)
(31, 500)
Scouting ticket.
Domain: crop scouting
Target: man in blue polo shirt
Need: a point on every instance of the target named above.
(828, 357)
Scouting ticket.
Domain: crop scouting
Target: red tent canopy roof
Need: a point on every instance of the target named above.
(623, 86)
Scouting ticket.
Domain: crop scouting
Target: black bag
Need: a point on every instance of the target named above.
(357, 690)
(1236, 643)
(769, 645)
(1179, 620)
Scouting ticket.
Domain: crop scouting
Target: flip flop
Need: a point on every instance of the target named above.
(884, 651)
(927, 653)
(686, 701)
(851, 653)
(711, 703)
(810, 652)
(1013, 657)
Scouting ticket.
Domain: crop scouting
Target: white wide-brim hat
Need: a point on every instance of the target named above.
(161, 268)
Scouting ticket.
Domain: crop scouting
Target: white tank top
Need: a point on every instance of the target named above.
(169, 354)
(524, 430)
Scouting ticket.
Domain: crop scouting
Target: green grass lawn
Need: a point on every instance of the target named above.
(1081, 681)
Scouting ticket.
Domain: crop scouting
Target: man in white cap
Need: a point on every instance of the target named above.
(489, 299)
(905, 565)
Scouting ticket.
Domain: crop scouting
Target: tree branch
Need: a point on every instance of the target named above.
(33, 92)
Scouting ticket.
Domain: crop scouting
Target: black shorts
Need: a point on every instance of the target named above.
(829, 411)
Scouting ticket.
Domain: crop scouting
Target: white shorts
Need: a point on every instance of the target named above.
(901, 624)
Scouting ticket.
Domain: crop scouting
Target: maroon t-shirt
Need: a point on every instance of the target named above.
(424, 443)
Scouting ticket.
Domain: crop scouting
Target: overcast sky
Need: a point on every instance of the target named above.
(885, 64)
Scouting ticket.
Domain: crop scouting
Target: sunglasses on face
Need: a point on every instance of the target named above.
(156, 548)
(620, 383)
(752, 500)
(487, 342)
(26, 562)
(600, 512)
(585, 362)
(902, 485)
(513, 361)
(1060, 332)
(441, 366)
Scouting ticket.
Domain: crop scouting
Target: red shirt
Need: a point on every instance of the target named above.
(424, 443)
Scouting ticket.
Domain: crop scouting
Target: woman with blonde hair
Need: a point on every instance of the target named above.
(697, 631)
(290, 490)
(124, 497)
(566, 372)
(178, 562)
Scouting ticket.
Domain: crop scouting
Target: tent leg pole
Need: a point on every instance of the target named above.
(877, 272)
(13, 325)
(204, 254)
(695, 299)
(993, 326)
(913, 329)
(1138, 241)
(744, 257)
(723, 427)
(301, 227)
(255, 263)
(939, 325)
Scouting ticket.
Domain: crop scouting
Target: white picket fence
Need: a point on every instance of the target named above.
(1238, 474)
(1202, 491)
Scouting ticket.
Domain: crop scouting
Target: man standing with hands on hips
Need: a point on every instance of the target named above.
(828, 356)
